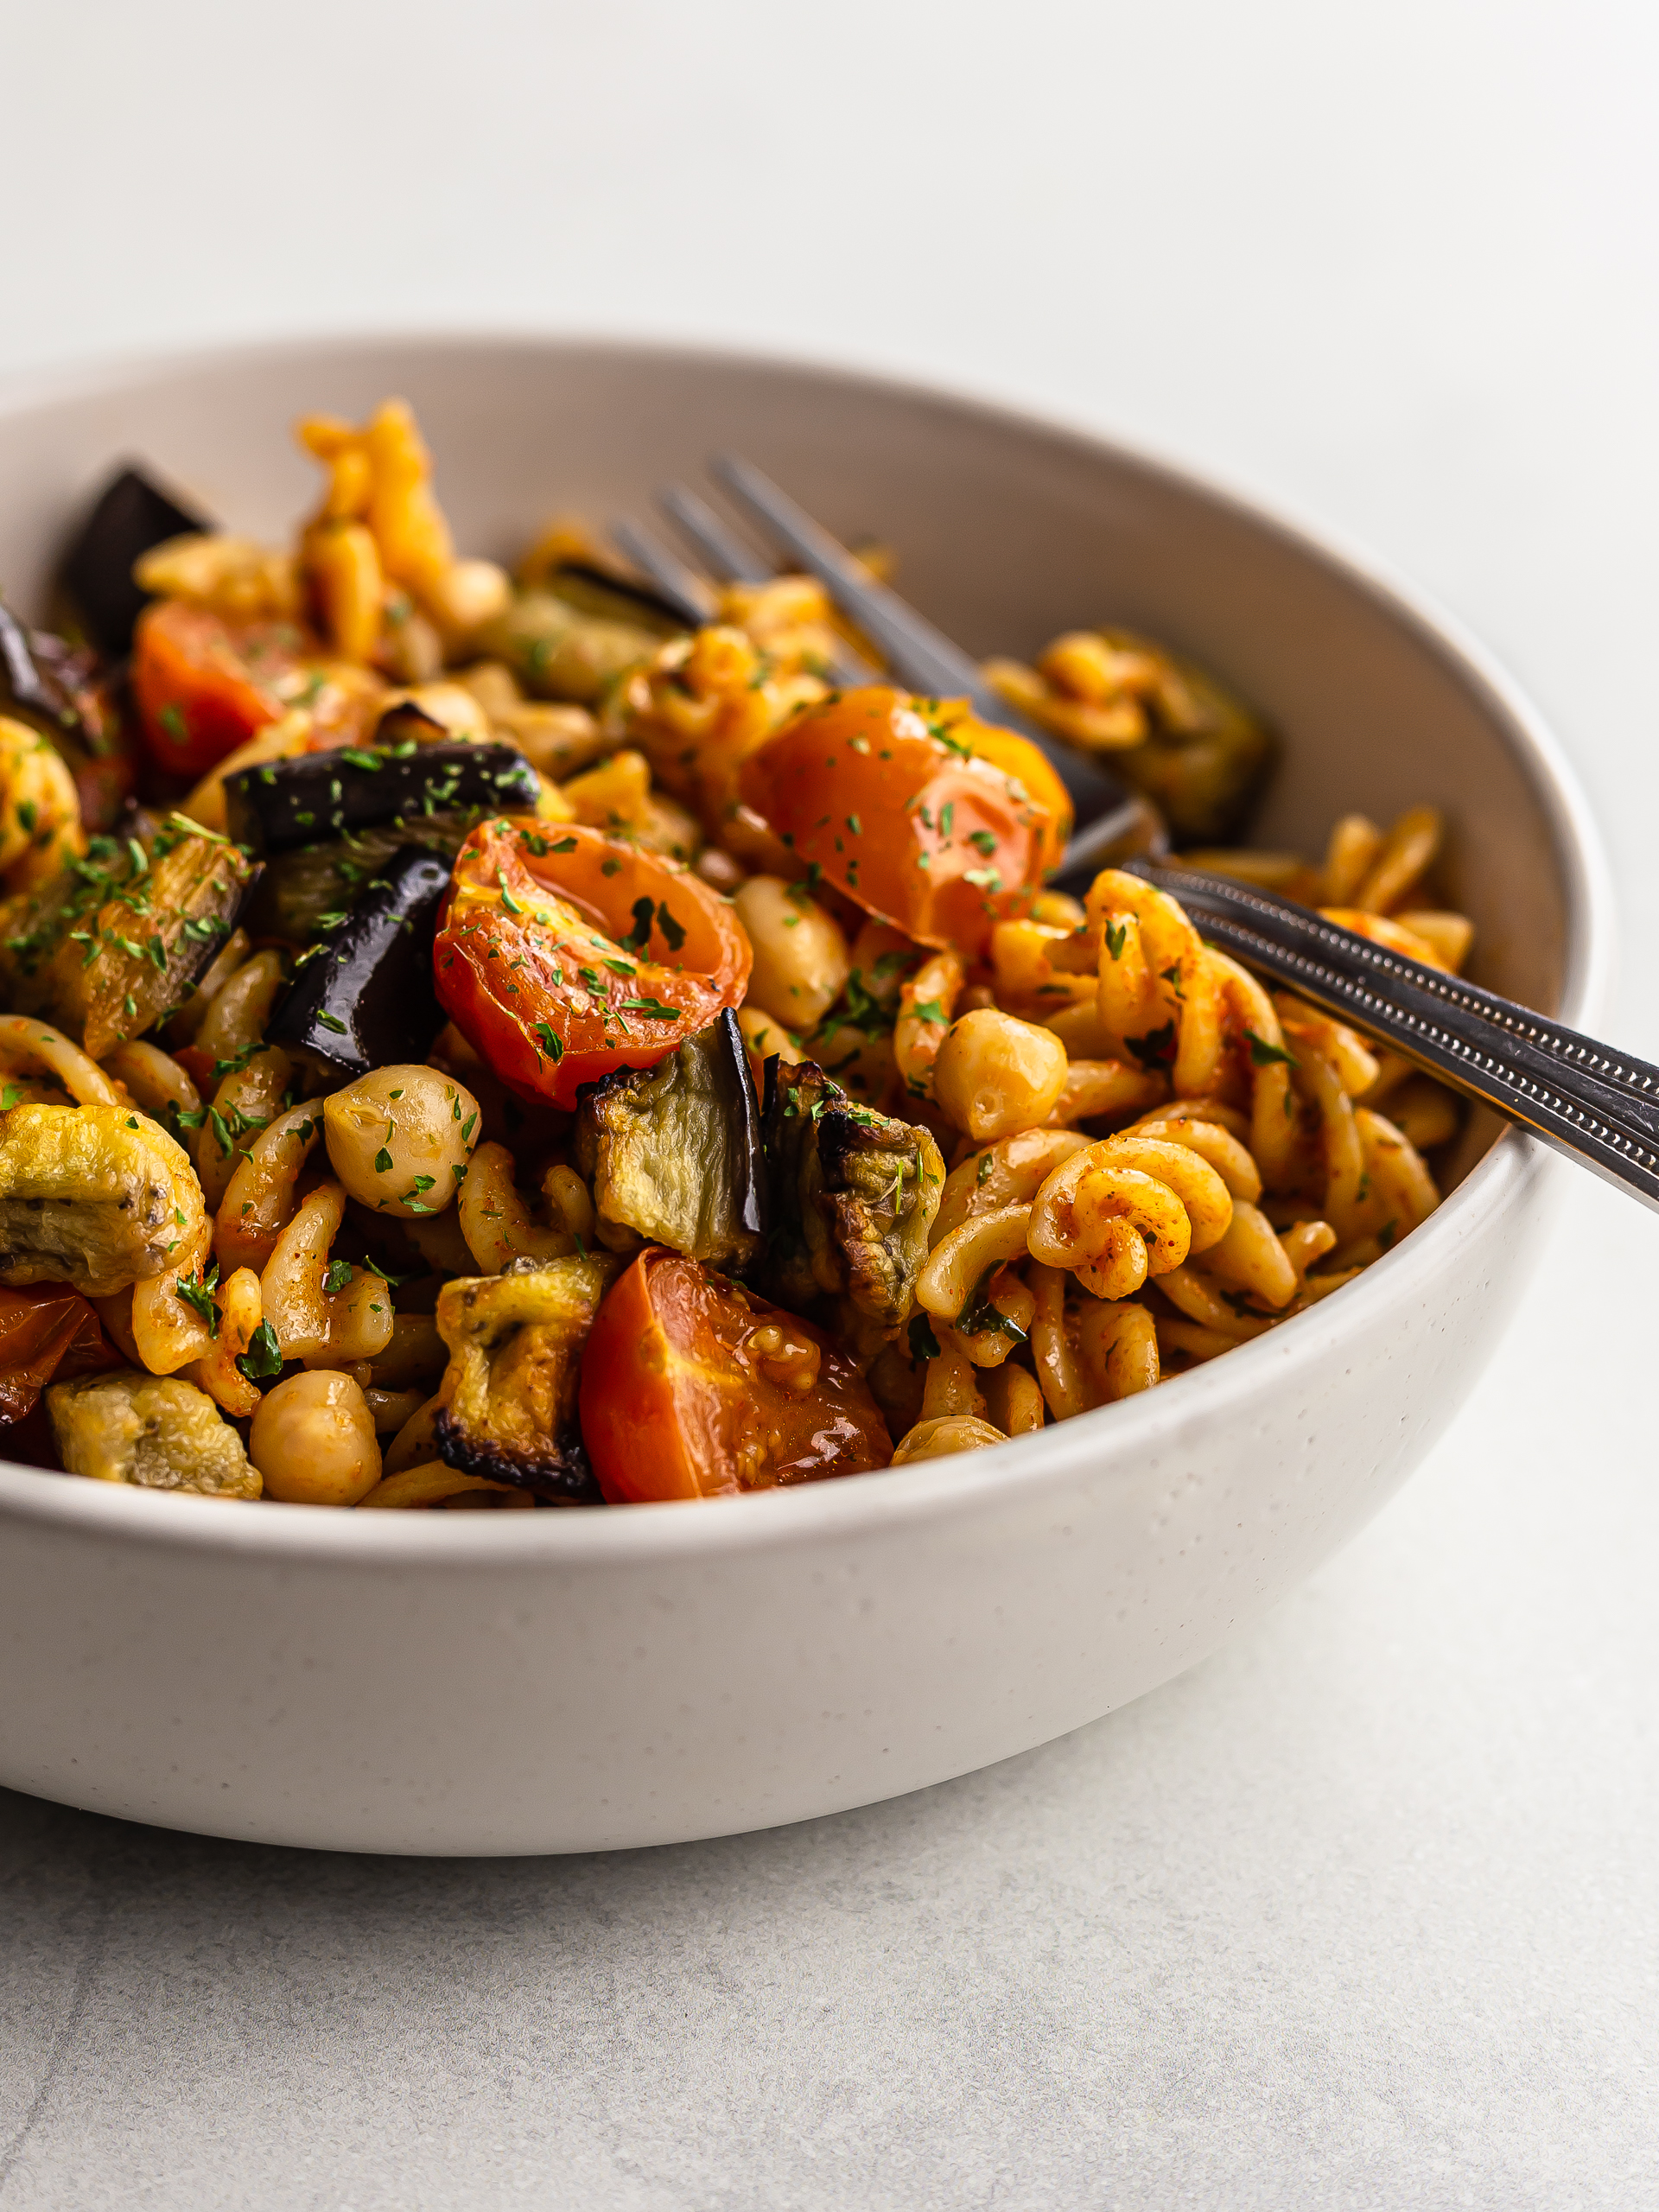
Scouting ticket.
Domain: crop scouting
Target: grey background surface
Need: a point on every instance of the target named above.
(1363, 1912)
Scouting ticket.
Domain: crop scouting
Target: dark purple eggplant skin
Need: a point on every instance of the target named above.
(288, 804)
(364, 997)
(128, 516)
(30, 688)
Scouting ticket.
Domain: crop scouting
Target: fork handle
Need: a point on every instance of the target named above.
(1598, 1106)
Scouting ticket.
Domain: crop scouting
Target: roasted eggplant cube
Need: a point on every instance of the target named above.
(65, 692)
(156, 1431)
(302, 893)
(111, 945)
(363, 997)
(594, 590)
(508, 1404)
(673, 1152)
(31, 687)
(852, 1194)
(286, 804)
(131, 514)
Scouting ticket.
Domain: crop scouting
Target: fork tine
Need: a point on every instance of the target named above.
(682, 586)
(732, 560)
(724, 554)
(921, 657)
(925, 660)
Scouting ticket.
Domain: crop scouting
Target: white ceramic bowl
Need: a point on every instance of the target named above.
(573, 1681)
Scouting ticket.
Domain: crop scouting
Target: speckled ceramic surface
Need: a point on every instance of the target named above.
(566, 1682)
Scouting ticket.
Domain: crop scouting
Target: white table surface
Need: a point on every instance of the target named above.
(1364, 1911)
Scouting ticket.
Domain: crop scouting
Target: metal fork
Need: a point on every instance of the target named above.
(1597, 1106)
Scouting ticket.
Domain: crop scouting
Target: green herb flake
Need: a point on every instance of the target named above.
(1263, 1055)
(923, 1344)
(264, 1357)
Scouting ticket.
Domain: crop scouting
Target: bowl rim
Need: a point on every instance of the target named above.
(664, 1534)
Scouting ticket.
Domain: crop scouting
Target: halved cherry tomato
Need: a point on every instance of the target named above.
(204, 685)
(47, 1331)
(564, 953)
(929, 818)
(691, 1387)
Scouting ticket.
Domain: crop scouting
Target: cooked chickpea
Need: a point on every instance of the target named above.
(399, 1138)
(995, 1074)
(801, 960)
(312, 1439)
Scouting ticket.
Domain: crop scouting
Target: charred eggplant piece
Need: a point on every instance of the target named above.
(130, 515)
(673, 1152)
(31, 686)
(154, 1430)
(288, 804)
(593, 590)
(557, 651)
(302, 893)
(56, 689)
(363, 997)
(852, 1195)
(508, 1404)
(119, 938)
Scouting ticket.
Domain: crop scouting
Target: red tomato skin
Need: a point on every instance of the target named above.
(505, 981)
(47, 1332)
(204, 685)
(676, 1403)
(939, 840)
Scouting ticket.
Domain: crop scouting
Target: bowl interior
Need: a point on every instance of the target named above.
(1006, 530)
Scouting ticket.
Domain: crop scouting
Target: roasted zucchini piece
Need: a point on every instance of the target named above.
(364, 996)
(557, 651)
(130, 515)
(152, 1430)
(97, 1196)
(286, 804)
(507, 1403)
(673, 1152)
(852, 1194)
(106, 948)
(1206, 757)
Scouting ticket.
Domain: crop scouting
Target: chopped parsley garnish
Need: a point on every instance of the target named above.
(1156, 1049)
(639, 936)
(1263, 1055)
(923, 1344)
(264, 1357)
(197, 1293)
